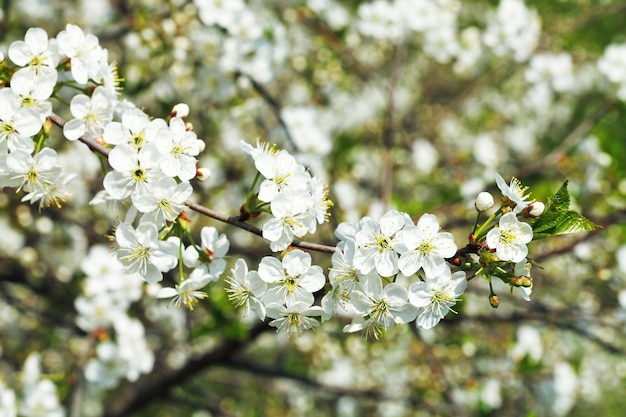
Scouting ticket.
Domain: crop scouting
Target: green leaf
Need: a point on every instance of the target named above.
(560, 201)
(557, 219)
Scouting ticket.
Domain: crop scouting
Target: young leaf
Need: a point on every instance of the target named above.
(557, 219)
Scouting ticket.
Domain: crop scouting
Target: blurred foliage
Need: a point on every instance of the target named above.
(363, 89)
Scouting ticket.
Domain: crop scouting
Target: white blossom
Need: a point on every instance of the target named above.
(435, 296)
(424, 246)
(509, 239)
(140, 251)
(245, 288)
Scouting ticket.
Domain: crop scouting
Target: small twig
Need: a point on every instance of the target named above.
(273, 103)
(92, 144)
(569, 141)
(232, 220)
(388, 134)
(307, 17)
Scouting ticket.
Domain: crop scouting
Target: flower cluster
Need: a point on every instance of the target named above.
(152, 160)
(384, 272)
(372, 252)
(282, 290)
(37, 397)
(612, 65)
(297, 200)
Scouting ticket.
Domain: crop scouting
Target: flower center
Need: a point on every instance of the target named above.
(383, 243)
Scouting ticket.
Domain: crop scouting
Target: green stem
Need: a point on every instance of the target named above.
(253, 186)
(482, 230)
(39, 144)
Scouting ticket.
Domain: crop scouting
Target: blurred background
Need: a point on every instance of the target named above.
(406, 104)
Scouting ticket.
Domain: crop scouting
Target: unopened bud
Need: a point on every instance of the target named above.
(536, 209)
(47, 126)
(188, 126)
(522, 281)
(184, 222)
(484, 201)
(180, 110)
(203, 173)
(494, 301)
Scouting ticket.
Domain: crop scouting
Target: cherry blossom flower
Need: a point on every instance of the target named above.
(33, 173)
(164, 202)
(425, 247)
(210, 255)
(292, 218)
(376, 241)
(515, 192)
(133, 347)
(509, 239)
(133, 171)
(292, 280)
(435, 296)
(17, 123)
(187, 292)
(91, 115)
(83, 50)
(107, 368)
(293, 318)
(140, 251)
(378, 308)
(178, 150)
(35, 53)
(135, 130)
(34, 91)
(246, 288)
(282, 173)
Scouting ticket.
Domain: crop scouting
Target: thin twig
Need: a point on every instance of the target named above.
(144, 394)
(232, 220)
(569, 141)
(388, 134)
(273, 103)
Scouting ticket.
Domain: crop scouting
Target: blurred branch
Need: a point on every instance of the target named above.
(438, 372)
(144, 394)
(388, 134)
(265, 371)
(564, 319)
(232, 220)
(316, 25)
(4, 23)
(568, 142)
(271, 101)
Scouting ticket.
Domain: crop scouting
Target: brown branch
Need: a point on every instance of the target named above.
(568, 142)
(388, 134)
(317, 26)
(232, 220)
(235, 221)
(271, 101)
(144, 394)
(370, 394)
